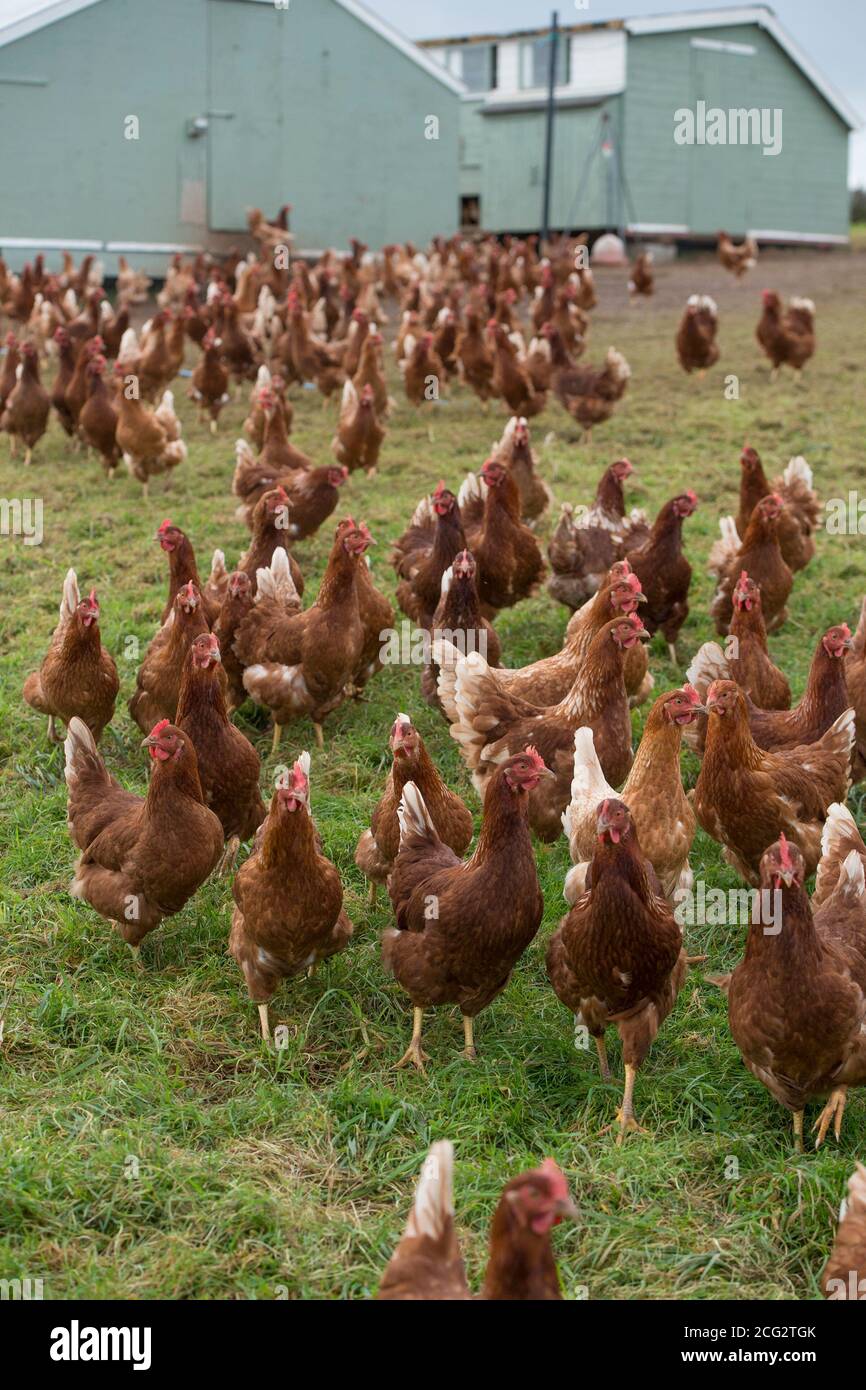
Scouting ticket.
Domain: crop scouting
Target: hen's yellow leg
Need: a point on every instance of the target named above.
(414, 1052)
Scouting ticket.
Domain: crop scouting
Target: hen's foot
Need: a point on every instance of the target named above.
(374, 888)
(415, 1054)
(832, 1112)
(627, 1124)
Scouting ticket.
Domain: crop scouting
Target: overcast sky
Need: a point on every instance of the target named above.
(832, 32)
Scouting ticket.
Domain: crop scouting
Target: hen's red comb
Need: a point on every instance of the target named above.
(785, 851)
(158, 728)
(555, 1177)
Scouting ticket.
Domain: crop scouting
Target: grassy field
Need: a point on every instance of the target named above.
(151, 1146)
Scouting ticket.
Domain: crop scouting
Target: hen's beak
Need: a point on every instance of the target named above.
(567, 1210)
(149, 742)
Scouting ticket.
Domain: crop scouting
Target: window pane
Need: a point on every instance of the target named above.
(536, 65)
(477, 66)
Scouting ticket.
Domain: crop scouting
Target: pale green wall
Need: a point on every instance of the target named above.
(503, 160)
(328, 116)
(802, 189)
(68, 172)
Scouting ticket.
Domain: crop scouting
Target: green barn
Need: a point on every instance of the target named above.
(147, 128)
(670, 126)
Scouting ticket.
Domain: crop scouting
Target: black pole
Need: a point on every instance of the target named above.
(548, 138)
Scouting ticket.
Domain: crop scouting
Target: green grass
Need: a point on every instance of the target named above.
(152, 1147)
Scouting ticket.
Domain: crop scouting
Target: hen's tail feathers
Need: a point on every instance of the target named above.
(472, 674)
(589, 785)
(843, 854)
(839, 739)
(82, 755)
(413, 815)
(708, 664)
(433, 1209)
(724, 551)
(446, 656)
(218, 571)
(166, 407)
(840, 735)
(350, 396)
(423, 514)
(275, 581)
(839, 827)
(798, 471)
(128, 346)
(71, 597)
(244, 459)
(852, 878)
(472, 489)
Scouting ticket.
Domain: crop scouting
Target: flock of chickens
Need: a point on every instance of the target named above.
(548, 745)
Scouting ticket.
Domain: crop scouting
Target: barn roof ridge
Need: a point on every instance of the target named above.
(712, 18)
(41, 15)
